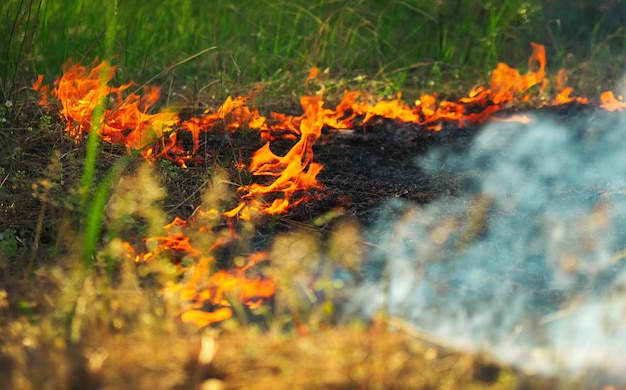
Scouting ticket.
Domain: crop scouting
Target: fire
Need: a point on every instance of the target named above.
(124, 119)
(128, 118)
(207, 293)
(293, 172)
(610, 103)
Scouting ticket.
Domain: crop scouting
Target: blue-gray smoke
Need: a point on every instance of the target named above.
(528, 262)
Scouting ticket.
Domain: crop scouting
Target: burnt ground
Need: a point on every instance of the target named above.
(363, 166)
(374, 162)
(377, 162)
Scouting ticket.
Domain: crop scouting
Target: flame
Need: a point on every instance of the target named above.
(313, 73)
(207, 294)
(610, 103)
(295, 171)
(213, 290)
(126, 120)
(283, 181)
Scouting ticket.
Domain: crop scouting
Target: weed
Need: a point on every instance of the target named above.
(8, 243)
(19, 26)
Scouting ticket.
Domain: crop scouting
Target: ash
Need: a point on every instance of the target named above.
(528, 263)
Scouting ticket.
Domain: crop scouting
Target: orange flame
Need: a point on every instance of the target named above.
(610, 103)
(126, 120)
(313, 73)
(214, 290)
(293, 172)
(207, 294)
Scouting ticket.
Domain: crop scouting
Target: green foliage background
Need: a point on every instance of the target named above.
(402, 41)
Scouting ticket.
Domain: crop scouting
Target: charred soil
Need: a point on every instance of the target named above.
(369, 164)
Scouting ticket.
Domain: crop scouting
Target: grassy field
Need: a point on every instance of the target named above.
(407, 45)
(269, 41)
(76, 313)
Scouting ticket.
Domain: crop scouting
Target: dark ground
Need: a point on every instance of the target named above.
(363, 167)
(376, 161)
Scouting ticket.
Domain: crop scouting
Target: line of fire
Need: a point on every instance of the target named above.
(281, 181)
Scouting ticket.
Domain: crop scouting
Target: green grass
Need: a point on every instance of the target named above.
(408, 44)
(266, 40)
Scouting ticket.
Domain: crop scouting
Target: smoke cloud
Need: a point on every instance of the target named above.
(527, 263)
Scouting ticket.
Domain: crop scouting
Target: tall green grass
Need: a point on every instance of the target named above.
(18, 29)
(401, 41)
(264, 40)
(93, 195)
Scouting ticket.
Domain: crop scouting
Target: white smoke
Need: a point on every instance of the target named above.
(528, 262)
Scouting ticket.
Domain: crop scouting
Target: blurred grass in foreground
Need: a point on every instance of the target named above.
(69, 326)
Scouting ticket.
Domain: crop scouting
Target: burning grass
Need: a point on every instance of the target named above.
(126, 121)
(151, 276)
